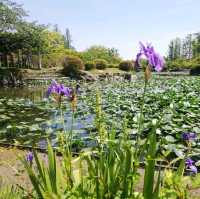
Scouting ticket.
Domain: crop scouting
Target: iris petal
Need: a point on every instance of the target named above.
(154, 59)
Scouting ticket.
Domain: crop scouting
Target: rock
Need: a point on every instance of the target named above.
(87, 76)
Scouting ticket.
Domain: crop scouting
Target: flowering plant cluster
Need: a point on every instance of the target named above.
(189, 164)
(59, 89)
(110, 152)
(29, 157)
(189, 136)
(153, 58)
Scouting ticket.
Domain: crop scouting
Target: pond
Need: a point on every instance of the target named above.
(34, 94)
(26, 117)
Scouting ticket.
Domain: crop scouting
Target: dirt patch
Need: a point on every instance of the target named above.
(11, 169)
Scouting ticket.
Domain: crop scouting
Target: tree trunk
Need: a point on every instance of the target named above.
(12, 60)
(19, 62)
(0, 60)
(39, 60)
(5, 60)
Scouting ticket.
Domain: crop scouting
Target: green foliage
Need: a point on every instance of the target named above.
(126, 65)
(72, 66)
(195, 70)
(53, 60)
(100, 64)
(112, 65)
(111, 55)
(196, 45)
(24, 44)
(174, 186)
(184, 53)
(12, 15)
(5, 72)
(56, 59)
(178, 65)
(67, 40)
(149, 191)
(89, 65)
(181, 64)
(110, 168)
(11, 192)
(47, 182)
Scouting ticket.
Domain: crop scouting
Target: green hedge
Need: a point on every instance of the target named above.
(101, 64)
(181, 64)
(126, 65)
(89, 65)
(72, 66)
(195, 70)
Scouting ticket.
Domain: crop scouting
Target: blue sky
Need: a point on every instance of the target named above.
(119, 23)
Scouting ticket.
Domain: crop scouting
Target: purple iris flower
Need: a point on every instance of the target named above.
(189, 164)
(59, 89)
(29, 157)
(153, 58)
(189, 136)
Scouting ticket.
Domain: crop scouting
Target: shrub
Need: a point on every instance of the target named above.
(89, 65)
(111, 55)
(112, 65)
(72, 66)
(126, 65)
(52, 60)
(101, 64)
(180, 64)
(195, 70)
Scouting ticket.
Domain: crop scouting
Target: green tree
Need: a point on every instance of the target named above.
(68, 39)
(196, 45)
(11, 16)
(34, 39)
(111, 55)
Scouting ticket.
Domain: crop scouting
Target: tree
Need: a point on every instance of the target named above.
(111, 55)
(171, 50)
(54, 42)
(175, 49)
(68, 40)
(34, 39)
(186, 52)
(55, 28)
(12, 15)
(196, 45)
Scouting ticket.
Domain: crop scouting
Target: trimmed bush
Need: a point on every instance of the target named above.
(195, 70)
(72, 66)
(101, 64)
(89, 65)
(126, 65)
(112, 65)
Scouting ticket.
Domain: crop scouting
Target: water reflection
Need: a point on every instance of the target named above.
(35, 94)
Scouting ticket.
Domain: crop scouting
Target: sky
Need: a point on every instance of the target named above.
(118, 23)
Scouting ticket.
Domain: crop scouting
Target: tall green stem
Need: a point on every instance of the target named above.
(140, 124)
(71, 131)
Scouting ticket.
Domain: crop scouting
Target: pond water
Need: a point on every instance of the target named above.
(27, 117)
(35, 94)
